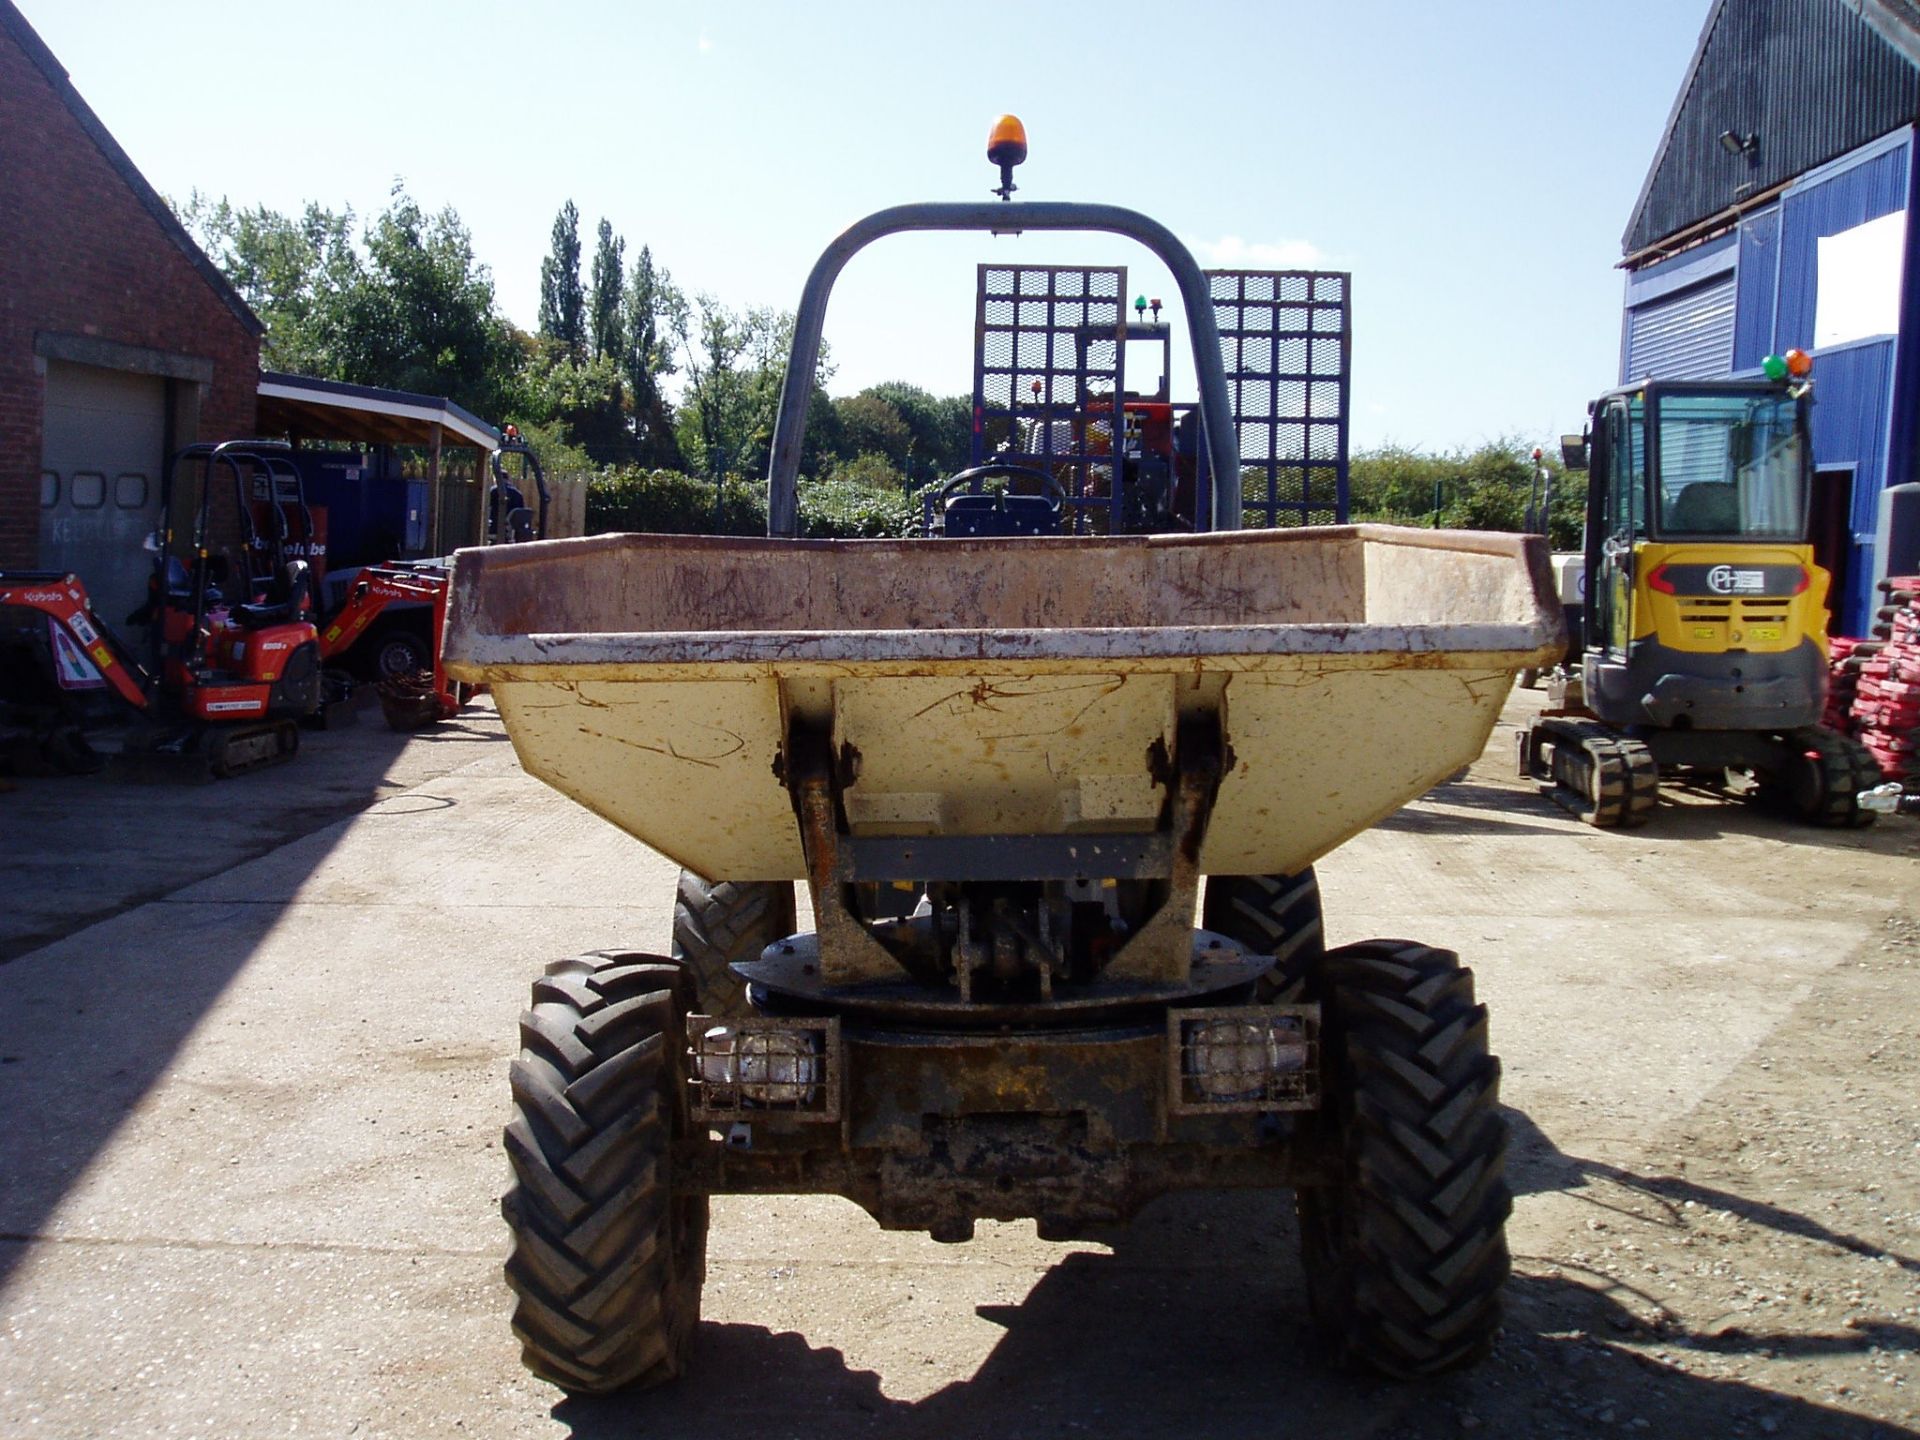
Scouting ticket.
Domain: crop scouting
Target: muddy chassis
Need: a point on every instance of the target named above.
(1050, 1039)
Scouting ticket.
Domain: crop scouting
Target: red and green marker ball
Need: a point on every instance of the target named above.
(1794, 363)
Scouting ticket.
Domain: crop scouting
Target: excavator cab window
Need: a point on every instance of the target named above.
(1731, 466)
(1617, 518)
(1626, 469)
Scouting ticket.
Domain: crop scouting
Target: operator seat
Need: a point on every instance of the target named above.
(1706, 507)
(286, 599)
(979, 516)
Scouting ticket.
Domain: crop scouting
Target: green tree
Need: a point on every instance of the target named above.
(409, 307)
(655, 315)
(562, 302)
(420, 315)
(735, 365)
(941, 425)
(559, 388)
(712, 341)
(1483, 489)
(599, 423)
(863, 498)
(871, 425)
(292, 270)
(607, 311)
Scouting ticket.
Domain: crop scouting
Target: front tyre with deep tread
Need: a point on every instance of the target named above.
(1404, 1238)
(607, 1261)
(719, 924)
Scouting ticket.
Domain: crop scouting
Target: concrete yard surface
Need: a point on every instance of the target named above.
(253, 1051)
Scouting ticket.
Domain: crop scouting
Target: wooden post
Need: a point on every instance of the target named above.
(435, 498)
(481, 479)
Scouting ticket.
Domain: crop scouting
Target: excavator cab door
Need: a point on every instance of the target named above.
(1616, 523)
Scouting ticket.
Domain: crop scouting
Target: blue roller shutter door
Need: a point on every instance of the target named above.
(1687, 336)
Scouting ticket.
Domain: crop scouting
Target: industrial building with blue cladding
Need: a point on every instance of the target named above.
(1775, 215)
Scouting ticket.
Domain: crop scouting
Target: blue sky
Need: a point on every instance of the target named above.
(1473, 164)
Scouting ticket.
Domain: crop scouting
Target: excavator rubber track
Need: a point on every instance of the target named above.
(1606, 779)
(251, 747)
(1822, 786)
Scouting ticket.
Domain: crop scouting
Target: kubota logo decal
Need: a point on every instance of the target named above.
(43, 597)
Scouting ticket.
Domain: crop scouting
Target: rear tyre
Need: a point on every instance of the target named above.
(607, 1261)
(1820, 781)
(1277, 915)
(1404, 1240)
(716, 925)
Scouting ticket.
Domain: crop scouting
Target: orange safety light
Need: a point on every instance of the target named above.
(1007, 147)
(1007, 141)
(1799, 362)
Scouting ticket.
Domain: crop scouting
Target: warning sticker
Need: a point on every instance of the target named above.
(71, 667)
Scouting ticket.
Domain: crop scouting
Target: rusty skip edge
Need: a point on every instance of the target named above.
(475, 657)
(1475, 542)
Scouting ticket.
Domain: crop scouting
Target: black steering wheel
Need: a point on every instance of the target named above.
(1050, 488)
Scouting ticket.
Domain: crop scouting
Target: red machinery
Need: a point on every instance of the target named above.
(233, 660)
(409, 701)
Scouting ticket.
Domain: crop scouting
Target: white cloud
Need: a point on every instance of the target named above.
(1230, 252)
(703, 44)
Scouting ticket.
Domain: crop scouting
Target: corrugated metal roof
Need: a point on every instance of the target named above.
(15, 25)
(1807, 80)
(1895, 21)
(308, 408)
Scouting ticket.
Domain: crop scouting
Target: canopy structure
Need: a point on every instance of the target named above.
(302, 408)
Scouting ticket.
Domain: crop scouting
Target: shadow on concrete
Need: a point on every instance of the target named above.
(1494, 811)
(1686, 813)
(82, 848)
(102, 992)
(1196, 1326)
(1536, 1165)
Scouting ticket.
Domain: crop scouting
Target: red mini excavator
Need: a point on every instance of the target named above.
(410, 700)
(232, 659)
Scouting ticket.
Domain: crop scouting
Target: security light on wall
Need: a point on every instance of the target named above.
(1734, 143)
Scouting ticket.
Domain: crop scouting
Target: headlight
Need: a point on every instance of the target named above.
(778, 1069)
(1242, 1059)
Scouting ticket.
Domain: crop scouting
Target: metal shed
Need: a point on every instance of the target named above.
(302, 408)
(1775, 215)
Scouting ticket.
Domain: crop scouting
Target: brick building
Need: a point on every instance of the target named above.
(120, 341)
